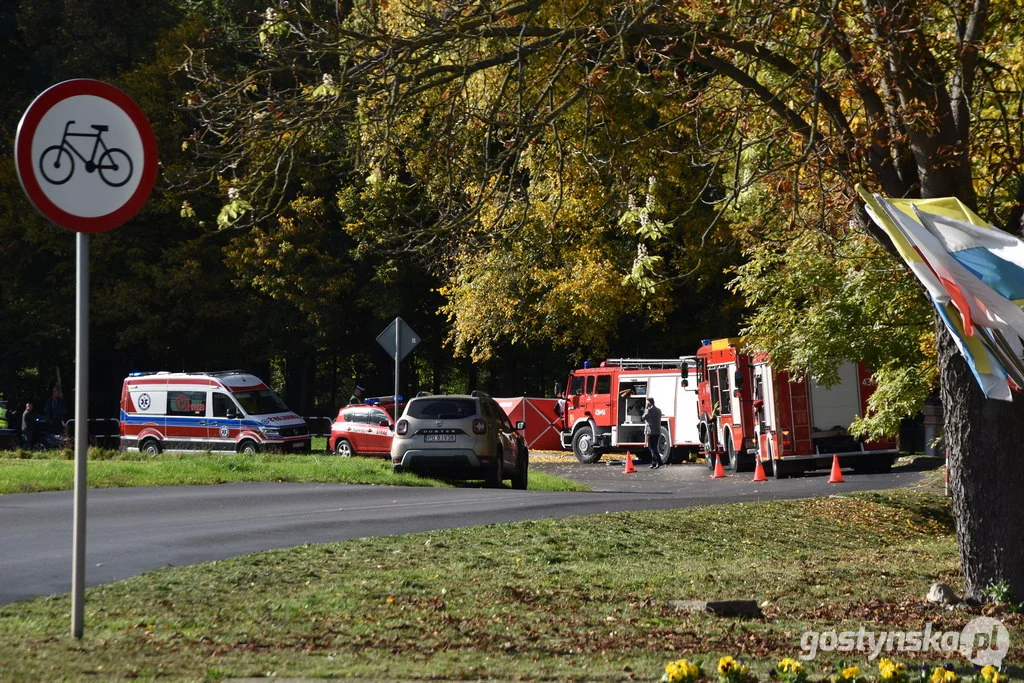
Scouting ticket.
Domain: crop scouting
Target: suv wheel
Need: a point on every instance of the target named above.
(519, 480)
(497, 472)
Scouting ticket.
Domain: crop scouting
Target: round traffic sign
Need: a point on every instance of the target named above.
(86, 155)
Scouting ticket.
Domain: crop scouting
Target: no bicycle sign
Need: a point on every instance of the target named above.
(86, 155)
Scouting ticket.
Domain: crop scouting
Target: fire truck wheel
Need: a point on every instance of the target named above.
(734, 459)
(247, 447)
(704, 434)
(711, 456)
(779, 471)
(150, 447)
(665, 446)
(583, 446)
(497, 472)
(343, 448)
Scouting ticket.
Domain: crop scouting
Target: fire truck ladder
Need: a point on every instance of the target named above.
(648, 363)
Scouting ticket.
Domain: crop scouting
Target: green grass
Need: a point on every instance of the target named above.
(28, 472)
(579, 599)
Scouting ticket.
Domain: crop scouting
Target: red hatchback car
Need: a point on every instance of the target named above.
(361, 430)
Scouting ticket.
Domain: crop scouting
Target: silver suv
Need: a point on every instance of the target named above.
(460, 437)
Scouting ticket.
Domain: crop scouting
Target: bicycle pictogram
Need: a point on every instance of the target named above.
(57, 162)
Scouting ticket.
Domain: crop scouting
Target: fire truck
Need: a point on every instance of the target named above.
(602, 408)
(749, 412)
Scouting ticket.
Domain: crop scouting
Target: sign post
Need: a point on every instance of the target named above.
(398, 340)
(86, 158)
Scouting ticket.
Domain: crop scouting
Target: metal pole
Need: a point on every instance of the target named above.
(398, 333)
(81, 434)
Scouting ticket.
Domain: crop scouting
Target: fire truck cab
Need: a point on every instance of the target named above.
(749, 412)
(602, 408)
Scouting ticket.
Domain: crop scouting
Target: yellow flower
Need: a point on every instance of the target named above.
(991, 675)
(850, 673)
(789, 665)
(890, 670)
(681, 670)
(726, 664)
(940, 675)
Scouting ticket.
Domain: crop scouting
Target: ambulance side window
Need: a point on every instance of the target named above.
(221, 404)
(186, 403)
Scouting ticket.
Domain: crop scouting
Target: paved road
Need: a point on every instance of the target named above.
(131, 531)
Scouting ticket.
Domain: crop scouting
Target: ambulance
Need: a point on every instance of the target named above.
(227, 412)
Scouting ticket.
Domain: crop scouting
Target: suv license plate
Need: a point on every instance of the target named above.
(438, 437)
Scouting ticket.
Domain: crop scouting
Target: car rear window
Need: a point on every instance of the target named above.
(443, 408)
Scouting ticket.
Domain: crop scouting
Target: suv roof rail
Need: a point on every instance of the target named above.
(477, 392)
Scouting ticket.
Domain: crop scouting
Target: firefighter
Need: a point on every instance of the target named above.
(652, 428)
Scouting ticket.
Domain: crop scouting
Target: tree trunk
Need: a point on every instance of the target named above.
(986, 475)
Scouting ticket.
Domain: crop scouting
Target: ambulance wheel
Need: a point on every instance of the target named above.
(247, 447)
(344, 448)
(150, 447)
(583, 446)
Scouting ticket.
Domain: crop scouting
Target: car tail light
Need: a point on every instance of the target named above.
(479, 426)
(402, 427)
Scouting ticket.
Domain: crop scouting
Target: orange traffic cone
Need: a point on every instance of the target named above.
(837, 474)
(759, 472)
(630, 469)
(719, 472)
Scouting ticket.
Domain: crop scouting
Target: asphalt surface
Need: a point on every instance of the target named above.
(134, 530)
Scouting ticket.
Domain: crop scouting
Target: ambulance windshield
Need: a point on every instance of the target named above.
(262, 402)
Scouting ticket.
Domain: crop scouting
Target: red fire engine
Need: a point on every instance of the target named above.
(749, 412)
(602, 408)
